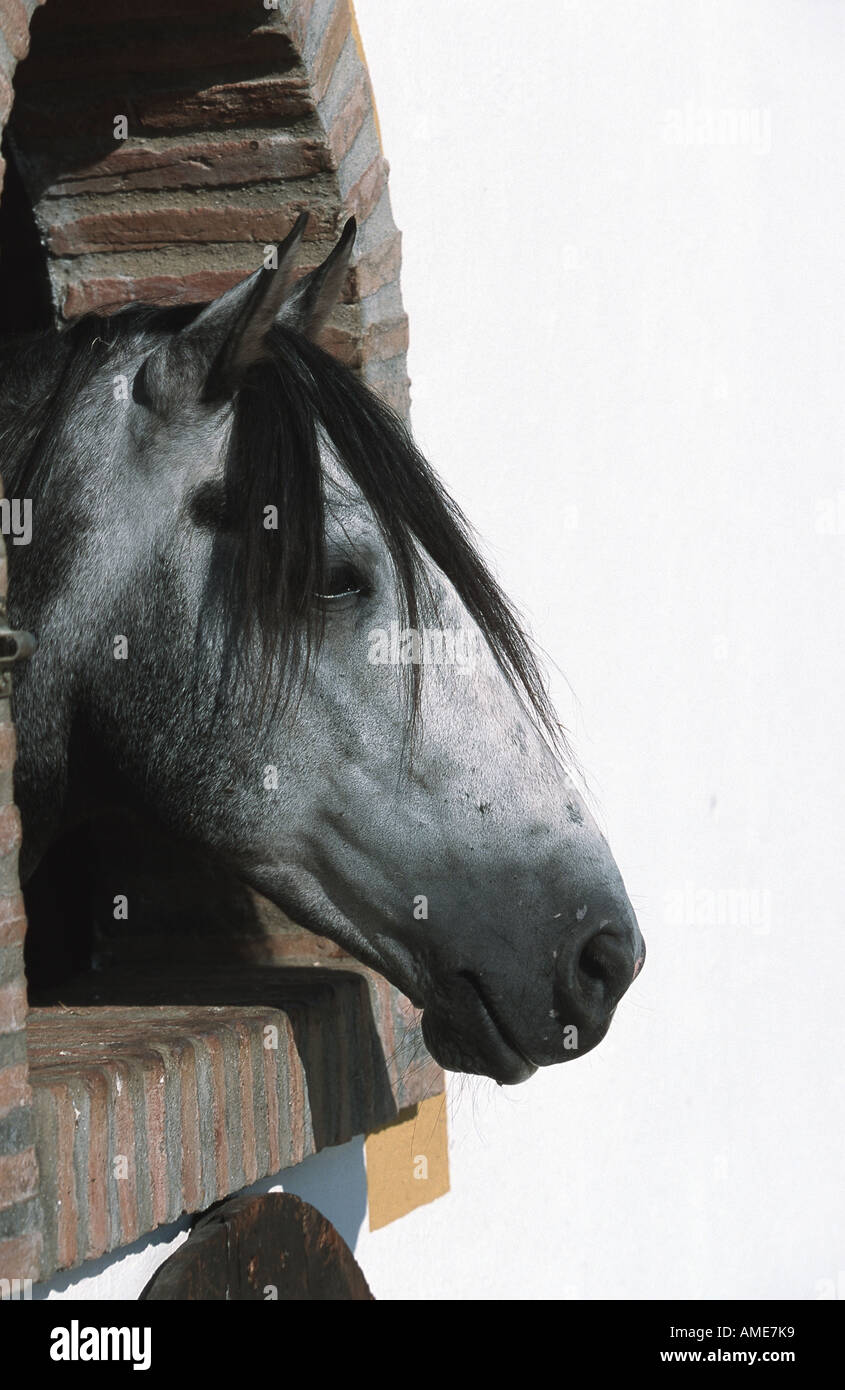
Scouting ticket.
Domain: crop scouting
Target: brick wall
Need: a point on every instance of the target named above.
(147, 1112)
(20, 1212)
(236, 118)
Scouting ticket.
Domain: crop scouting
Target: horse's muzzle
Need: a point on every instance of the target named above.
(493, 1025)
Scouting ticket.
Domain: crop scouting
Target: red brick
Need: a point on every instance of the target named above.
(271, 1088)
(364, 195)
(15, 25)
(7, 745)
(349, 119)
(269, 101)
(334, 37)
(247, 1098)
(10, 830)
(214, 1047)
(12, 919)
(300, 13)
(154, 1103)
(197, 163)
(14, 1089)
(379, 267)
(192, 1190)
(385, 340)
(99, 1174)
(111, 292)
(124, 1144)
(20, 1256)
(12, 1006)
(343, 344)
(18, 1177)
(265, 101)
(394, 391)
(6, 98)
(66, 1216)
(286, 950)
(152, 229)
(296, 1096)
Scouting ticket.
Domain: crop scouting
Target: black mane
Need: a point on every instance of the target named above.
(262, 582)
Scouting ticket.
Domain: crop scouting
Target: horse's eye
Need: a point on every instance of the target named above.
(342, 581)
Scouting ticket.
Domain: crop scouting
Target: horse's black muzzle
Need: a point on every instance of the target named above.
(501, 1023)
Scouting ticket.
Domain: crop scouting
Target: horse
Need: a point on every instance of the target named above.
(263, 624)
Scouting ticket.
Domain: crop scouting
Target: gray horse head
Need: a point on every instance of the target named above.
(263, 621)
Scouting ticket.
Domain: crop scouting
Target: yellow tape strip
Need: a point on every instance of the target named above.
(408, 1162)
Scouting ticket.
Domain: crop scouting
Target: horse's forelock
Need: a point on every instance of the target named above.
(274, 458)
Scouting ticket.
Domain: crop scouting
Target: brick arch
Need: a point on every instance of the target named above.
(237, 117)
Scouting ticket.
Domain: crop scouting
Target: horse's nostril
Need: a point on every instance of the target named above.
(592, 960)
(604, 967)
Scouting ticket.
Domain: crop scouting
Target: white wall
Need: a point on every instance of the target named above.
(626, 361)
(627, 364)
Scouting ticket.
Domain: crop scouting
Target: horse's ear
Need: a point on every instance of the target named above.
(313, 297)
(207, 359)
